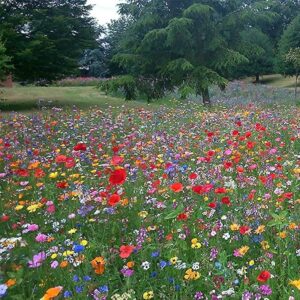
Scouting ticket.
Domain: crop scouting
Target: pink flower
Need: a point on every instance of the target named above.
(37, 260)
(41, 238)
(54, 264)
(33, 227)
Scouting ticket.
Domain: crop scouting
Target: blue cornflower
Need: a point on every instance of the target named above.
(87, 278)
(78, 248)
(153, 274)
(75, 278)
(67, 294)
(103, 289)
(79, 288)
(162, 264)
(155, 254)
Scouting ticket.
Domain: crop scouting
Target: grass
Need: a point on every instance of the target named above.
(28, 98)
(276, 80)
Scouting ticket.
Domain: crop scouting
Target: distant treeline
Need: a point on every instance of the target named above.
(155, 46)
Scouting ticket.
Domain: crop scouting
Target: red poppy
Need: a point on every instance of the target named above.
(4, 218)
(62, 184)
(226, 200)
(114, 199)
(22, 173)
(60, 159)
(220, 190)
(176, 187)
(193, 176)
(250, 145)
(70, 162)
(264, 276)
(244, 230)
(126, 250)
(227, 164)
(116, 160)
(182, 217)
(240, 169)
(39, 173)
(212, 205)
(117, 176)
(80, 147)
(235, 132)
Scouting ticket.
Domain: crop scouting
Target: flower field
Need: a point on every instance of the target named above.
(175, 203)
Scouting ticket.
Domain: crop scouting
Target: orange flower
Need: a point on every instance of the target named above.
(98, 264)
(52, 293)
(10, 282)
(130, 264)
(64, 264)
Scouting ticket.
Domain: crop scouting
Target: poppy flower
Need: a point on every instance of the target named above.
(244, 230)
(52, 293)
(80, 147)
(193, 176)
(70, 162)
(226, 200)
(264, 276)
(220, 190)
(182, 217)
(22, 173)
(126, 250)
(212, 205)
(117, 177)
(60, 159)
(176, 187)
(116, 160)
(114, 199)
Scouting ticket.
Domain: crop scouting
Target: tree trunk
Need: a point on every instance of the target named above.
(206, 97)
(256, 78)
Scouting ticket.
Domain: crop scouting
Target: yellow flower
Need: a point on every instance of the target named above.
(53, 175)
(32, 208)
(53, 256)
(295, 283)
(260, 229)
(243, 250)
(282, 234)
(196, 246)
(194, 241)
(174, 260)
(293, 226)
(251, 262)
(191, 275)
(148, 295)
(19, 207)
(143, 214)
(265, 245)
(73, 230)
(83, 242)
(234, 227)
(68, 253)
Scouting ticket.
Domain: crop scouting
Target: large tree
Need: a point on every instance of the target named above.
(47, 38)
(5, 65)
(176, 44)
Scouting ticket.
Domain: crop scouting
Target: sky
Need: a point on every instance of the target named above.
(104, 10)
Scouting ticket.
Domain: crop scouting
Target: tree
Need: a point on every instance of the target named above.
(46, 39)
(258, 48)
(5, 65)
(184, 51)
(293, 57)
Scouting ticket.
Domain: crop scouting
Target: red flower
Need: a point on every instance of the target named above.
(226, 200)
(60, 159)
(244, 230)
(264, 276)
(182, 217)
(22, 173)
(80, 147)
(212, 205)
(62, 184)
(70, 162)
(220, 190)
(126, 250)
(5, 218)
(193, 176)
(176, 187)
(116, 160)
(39, 173)
(114, 199)
(235, 132)
(117, 176)
(227, 164)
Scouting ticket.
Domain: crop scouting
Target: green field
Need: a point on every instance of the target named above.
(276, 80)
(27, 98)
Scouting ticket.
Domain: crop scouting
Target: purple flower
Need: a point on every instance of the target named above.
(127, 272)
(265, 290)
(199, 296)
(37, 260)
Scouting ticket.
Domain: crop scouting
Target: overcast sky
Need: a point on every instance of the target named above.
(104, 10)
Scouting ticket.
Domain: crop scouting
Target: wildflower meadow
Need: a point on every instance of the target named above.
(134, 203)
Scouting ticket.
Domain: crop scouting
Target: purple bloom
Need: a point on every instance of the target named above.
(265, 290)
(37, 260)
(127, 272)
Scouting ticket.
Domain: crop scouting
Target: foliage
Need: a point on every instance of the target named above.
(78, 81)
(5, 61)
(293, 57)
(290, 40)
(47, 38)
